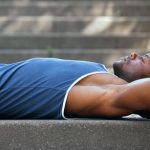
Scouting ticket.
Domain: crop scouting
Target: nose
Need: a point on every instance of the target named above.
(134, 55)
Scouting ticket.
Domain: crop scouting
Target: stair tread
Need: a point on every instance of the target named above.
(73, 8)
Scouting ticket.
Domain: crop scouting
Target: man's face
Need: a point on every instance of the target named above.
(133, 67)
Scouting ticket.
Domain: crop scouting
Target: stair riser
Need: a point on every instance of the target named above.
(77, 9)
(49, 42)
(85, 26)
(97, 56)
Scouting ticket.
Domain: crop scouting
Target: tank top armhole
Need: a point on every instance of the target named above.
(75, 82)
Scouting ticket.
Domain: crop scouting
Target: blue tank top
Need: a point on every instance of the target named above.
(38, 87)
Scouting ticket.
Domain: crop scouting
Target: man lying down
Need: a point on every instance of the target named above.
(51, 88)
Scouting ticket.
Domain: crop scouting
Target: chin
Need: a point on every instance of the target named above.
(118, 71)
(117, 67)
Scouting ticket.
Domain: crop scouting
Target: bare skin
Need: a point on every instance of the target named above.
(108, 96)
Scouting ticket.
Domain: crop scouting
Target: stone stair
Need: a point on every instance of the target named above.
(74, 135)
(75, 29)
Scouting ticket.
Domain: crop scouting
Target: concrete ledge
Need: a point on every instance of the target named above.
(75, 8)
(76, 41)
(75, 134)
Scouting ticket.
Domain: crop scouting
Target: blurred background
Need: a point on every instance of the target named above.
(95, 30)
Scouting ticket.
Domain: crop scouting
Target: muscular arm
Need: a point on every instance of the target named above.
(135, 95)
(110, 100)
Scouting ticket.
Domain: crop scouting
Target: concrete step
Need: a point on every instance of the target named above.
(96, 55)
(50, 41)
(84, 25)
(10, 55)
(74, 135)
(73, 0)
(105, 56)
(75, 8)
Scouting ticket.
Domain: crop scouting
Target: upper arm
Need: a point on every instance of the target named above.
(135, 95)
(95, 101)
(109, 100)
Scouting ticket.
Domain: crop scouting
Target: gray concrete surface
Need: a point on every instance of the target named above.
(74, 135)
(77, 0)
(81, 25)
(97, 55)
(76, 29)
(75, 8)
(77, 41)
